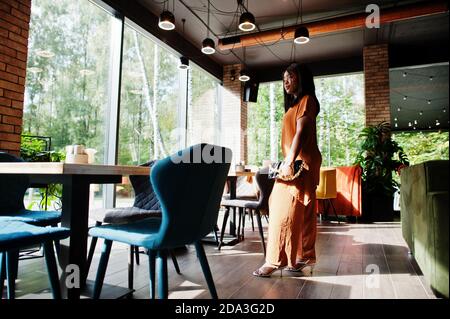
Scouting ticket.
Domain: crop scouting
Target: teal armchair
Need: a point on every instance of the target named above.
(190, 195)
(15, 235)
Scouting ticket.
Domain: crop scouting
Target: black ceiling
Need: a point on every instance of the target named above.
(343, 48)
(426, 92)
(417, 46)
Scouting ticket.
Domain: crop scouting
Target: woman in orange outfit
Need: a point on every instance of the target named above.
(292, 224)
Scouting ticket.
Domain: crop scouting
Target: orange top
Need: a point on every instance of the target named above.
(304, 187)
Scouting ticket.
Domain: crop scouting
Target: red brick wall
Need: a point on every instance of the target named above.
(14, 26)
(234, 114)
(376, 82)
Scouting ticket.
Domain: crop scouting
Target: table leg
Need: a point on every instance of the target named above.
(233, 222)
(75, 204)
(232, 186)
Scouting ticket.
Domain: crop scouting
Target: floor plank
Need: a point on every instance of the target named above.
(354, 261)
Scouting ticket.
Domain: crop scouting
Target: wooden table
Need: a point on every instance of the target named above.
(76, 179)
(232, 181)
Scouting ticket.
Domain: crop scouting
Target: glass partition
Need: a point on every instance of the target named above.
(68, 70)
(150, 121)
(203, 121)
(341, 118)
(72, 90)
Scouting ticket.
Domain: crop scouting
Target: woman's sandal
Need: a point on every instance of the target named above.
(267, 271)
(302, 265)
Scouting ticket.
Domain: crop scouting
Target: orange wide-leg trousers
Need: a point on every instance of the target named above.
(292, 228)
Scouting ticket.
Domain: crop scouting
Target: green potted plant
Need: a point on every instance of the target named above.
(379, 156)
(34, 149)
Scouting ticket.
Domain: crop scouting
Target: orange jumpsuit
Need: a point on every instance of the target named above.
(292, 223)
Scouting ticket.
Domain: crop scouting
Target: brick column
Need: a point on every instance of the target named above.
(376, 83)
(14, 26)
(234, 114)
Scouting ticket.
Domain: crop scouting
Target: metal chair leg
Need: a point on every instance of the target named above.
(251, 218)
(130, 266)
(233, 223)
(260, 229)
(52, 269)
(240, 212)
(106, 250)
(136, 252)
(243, 221)
(175, 262)
(334, 210)
(224, 225)
(2, 272)
(216, 237)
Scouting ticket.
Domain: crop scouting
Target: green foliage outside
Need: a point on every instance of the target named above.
(258, 125)
(33, 149)
(341, 118)
(149, 101)
(67, 85)
(424, 146)
(67, 73)
(67, 94)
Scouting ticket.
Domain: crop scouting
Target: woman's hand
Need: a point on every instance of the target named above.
(286, 169)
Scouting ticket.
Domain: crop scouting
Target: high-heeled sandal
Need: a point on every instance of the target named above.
(267, 271)
(299, 266)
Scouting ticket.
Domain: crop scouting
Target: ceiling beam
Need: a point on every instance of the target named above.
(318, 68)
(399, 56)
(355, 21)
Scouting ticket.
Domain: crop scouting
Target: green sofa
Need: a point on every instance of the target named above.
(424, 215)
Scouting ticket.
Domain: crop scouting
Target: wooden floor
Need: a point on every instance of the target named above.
(354, 261)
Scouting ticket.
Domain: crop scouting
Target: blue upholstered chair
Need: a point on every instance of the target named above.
(12, 192)
(189, 194)
(15, 235)
(145, 205)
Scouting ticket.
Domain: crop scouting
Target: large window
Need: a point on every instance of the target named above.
(203, 123)
(341, 118)
(72, 90)
(67, 73)
(264, 124)
(66, 95)
(150, 105)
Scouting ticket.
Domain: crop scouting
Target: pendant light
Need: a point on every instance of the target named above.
(208, 46)
(244, 74)
(247, 20)
(301, 35)
(184, 61)
(166, 20)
